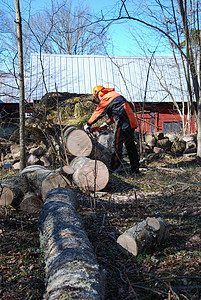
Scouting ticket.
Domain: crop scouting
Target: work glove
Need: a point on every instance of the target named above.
(87, 127)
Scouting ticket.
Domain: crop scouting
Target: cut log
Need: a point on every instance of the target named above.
(89, 174)
(34, 178)
(72, 271)
(143, 236)
(31, 204)
(13, 190)
(77, 141)
(100, 152)
(65, 170)
(43, 180)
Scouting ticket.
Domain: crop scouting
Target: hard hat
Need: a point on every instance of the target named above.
(97, 89)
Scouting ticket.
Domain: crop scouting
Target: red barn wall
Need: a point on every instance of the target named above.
(159, 117)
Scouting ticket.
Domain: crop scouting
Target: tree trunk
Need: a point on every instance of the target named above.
(89, 174)
(72, 271)
(77, 141)
(102, 148)
(199, 132)
(144, 236)
(21, 84)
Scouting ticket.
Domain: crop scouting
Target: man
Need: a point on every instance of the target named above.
(119, 111)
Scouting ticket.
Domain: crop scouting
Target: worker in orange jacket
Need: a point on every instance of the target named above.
(119, 111)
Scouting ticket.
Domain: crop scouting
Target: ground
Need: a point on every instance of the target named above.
(168, 187)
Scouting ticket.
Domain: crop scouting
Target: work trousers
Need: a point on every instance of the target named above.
(126, 137)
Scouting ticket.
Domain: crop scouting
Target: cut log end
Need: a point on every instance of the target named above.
(94, 175)
(127, 244)
(52, 182)
(66, 170)
(154, 223)
(6, 196)
(78, 143)
(31, 204)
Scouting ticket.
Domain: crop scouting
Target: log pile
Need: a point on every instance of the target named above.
(72, 271)
(28, 189)
(144, 236)
(171, 143)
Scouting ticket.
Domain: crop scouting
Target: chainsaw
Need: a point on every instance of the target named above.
(95, 128)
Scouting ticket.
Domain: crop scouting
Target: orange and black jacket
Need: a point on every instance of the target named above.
(117, 108)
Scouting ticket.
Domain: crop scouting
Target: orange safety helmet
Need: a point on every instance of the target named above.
(97, 89)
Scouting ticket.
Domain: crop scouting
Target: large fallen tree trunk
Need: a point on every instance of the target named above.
(72, 271)
(77, 141)
(144, 236)
(89, 174)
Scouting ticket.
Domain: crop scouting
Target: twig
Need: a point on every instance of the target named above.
(120, 273)
(137, 205)
(149, 289)
(103, 222)
(131, 287)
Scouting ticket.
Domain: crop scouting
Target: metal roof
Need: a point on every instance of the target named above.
(128, 75)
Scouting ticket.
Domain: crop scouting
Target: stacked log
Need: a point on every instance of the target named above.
(91, 175)
(144, 236)
(72, 271)
(31, 203)
(30, 187)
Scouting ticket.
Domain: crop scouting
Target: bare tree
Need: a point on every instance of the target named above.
(178, 24)
(21, 84)
(66, 29)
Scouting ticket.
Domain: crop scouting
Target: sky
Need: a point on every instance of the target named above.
(123, 43)
(121, 40)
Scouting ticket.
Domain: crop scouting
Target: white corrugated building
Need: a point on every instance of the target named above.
(127, 74)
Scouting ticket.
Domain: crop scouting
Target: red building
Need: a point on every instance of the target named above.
(162, 117)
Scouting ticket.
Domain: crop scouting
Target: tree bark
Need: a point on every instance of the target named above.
(72, 271)
(102, 148)
(199, 132)
(21, 84)
(77, 141)
(143, 236)
(89, 174)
